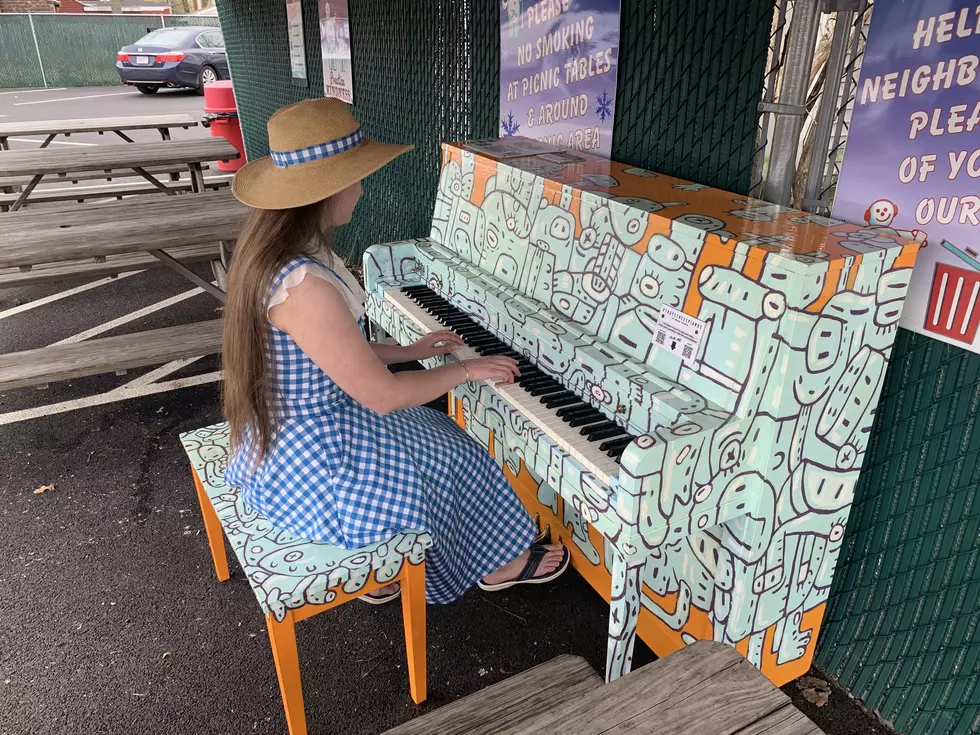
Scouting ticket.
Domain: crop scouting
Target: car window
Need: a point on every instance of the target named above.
(163, 37)
(204, 40)
(219, 39)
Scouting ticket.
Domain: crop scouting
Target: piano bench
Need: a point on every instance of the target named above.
(294, 579)
(563, 680)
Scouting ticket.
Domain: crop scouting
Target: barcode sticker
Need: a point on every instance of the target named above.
(679, 334)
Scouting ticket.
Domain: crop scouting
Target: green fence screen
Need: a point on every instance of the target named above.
(427, 71)
(903, 625)
(75, 50)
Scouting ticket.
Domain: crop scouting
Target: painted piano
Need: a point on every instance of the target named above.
(700, 372)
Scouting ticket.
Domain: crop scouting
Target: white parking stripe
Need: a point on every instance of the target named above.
(69, 99)
(35, 91)
(130, 317)
(118, 394)
(53, 142)
(63, 295)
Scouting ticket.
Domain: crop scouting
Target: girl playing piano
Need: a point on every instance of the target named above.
(326, 442)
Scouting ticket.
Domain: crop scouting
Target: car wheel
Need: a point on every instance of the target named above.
(208, 75)
(147, 89)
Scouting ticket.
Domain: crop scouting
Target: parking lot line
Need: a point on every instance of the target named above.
(70, 99)
(35, 91)
(14, 310)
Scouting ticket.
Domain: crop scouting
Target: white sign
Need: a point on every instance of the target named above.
(338, 79)
(679, 334)
(297, 45)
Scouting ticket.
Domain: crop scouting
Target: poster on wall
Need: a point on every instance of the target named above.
(558, 63)
(338, 81)
(912, 163)
(297, 45)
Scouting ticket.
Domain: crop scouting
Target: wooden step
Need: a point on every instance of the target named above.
(96, 175)
(111, 266)
(106, 355)
(561, 680)
(134, 188)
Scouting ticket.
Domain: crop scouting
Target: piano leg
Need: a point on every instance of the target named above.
(624, 610)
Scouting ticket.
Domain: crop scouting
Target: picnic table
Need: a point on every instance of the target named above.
(135, 156)
(107, 238)
(95, 231)
(100, 125)
(706, 688)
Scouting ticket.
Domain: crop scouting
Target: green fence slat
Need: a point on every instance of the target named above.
(19, 64)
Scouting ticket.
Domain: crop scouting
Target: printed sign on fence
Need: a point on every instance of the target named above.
(912, 164)
(297, 45)
(338, 80)
(558, 63)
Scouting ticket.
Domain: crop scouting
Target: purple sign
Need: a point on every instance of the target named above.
(912, 164)
(558, 62)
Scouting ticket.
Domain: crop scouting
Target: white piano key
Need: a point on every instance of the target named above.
(547, 419)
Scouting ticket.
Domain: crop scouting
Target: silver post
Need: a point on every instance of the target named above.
(37, 48)
(827, 114)
(790, 110)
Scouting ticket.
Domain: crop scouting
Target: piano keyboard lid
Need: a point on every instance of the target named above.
(751, 227)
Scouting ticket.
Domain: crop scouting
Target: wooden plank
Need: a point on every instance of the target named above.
(562, 679)
(80, 193)
(96, 175)
(126, 155)
(96, 124)
(189, 219)
(702, 685)
(785, 721)
(10, 222)
(112, 265)
(63, 362)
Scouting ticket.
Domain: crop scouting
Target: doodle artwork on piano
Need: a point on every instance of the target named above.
(704, 372)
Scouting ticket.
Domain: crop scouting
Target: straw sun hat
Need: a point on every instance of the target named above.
(317, 150)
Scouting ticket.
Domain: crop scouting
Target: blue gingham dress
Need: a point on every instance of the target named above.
(340, 473)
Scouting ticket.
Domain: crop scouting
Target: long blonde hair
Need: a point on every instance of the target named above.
(269, 239)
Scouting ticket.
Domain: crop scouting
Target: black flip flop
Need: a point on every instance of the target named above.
(526, 576)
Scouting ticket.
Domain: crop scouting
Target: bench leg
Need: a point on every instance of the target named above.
(282, 636)
(624, 611)
(412, 581)
(212, 527)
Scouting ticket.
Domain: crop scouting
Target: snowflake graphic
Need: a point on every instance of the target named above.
(604, 109)
(510, 127)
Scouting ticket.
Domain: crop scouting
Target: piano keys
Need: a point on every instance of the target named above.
(700, 371)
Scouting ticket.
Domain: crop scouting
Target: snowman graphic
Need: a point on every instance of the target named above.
(880, 216)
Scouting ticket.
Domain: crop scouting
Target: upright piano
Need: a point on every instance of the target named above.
(700, 373)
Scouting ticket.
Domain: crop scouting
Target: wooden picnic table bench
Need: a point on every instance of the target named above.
(135, 156)
(706, 688)
(100, 125)
(143, 226)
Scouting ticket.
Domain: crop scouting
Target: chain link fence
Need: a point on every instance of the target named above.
(73, 50)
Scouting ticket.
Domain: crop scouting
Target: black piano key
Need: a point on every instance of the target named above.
(568, 412)
(617, 446)
(533, 378)
(415, 289)
(488, 351)
(481, 339)
(545, 390)
(595, 426)
(610, 432)
(562, 399)
(586, 419)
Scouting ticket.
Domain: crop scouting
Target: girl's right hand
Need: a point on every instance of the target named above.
(497, 367)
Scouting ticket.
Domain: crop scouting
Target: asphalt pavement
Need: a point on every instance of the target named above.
(112, 618)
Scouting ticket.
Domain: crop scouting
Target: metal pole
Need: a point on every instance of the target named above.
(37, 48)
(833, 83)
(790, 110)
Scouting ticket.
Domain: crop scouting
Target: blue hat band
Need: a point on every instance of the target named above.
(285, 159)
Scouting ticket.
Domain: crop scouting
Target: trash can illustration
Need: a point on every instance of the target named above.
(954, 304)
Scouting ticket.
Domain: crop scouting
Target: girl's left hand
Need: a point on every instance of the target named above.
(435, 344)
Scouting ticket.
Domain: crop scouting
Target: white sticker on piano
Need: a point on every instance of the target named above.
(679, 334)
